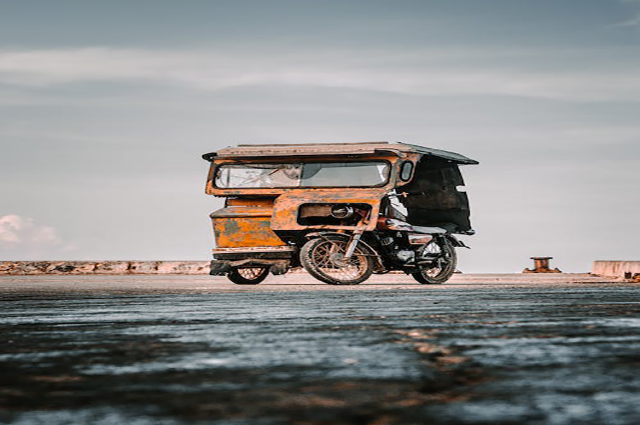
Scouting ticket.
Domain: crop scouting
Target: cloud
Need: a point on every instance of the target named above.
(431, 73)
(23, 238)
(18, 230)
(633, 22)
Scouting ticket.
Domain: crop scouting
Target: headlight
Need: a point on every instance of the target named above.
(342, 211)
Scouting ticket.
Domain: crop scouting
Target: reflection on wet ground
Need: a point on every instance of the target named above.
(550, 353)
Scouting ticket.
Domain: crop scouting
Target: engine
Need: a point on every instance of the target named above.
(402, 249)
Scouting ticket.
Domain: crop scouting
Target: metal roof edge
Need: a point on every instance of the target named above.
(315, 149)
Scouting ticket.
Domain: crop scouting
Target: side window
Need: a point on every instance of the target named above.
(405, 171)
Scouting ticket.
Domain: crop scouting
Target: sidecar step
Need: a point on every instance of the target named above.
(222, 267)
(261, 252)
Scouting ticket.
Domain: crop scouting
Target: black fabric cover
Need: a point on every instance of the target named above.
(433, 198)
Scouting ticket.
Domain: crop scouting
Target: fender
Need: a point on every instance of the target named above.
(323, 234)
(455, 241)
(346, 236)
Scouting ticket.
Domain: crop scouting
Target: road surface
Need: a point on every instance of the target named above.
(484, 349)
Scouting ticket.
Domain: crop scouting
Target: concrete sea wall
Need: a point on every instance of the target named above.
(103, 267)
(627, 269)
(618, 269)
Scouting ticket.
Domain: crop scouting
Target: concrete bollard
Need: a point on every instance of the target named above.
(541, 265)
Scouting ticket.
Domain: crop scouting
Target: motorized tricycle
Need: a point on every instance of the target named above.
(341, 211)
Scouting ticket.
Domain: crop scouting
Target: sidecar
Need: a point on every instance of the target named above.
(278, 196)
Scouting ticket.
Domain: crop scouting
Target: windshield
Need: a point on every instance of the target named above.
(315, 174)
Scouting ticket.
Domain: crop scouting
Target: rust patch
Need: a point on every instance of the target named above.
(234, 232)
(245, 222)
(285, 216)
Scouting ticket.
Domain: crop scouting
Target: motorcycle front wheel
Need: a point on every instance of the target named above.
(323, 258)
(443, 268)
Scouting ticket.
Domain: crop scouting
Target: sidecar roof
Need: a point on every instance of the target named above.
(324, 149)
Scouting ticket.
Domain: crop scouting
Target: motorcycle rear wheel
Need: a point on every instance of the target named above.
(248, 276)
(441, 273)
(321, 257)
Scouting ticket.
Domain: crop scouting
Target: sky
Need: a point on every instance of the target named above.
(106, 108)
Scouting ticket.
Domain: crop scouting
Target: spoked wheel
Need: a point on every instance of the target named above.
(324, 260)
(248, 276)
(443, 266)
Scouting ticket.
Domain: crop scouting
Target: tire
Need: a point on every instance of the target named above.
(439, 275)
(316, 254)
(248, 276)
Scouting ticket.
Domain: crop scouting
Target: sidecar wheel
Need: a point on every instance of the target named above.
(321, 257)
(248, 276)
(440, 274)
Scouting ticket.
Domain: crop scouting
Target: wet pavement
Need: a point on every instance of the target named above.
(195, 350)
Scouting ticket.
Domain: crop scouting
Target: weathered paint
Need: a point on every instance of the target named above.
(244, 232)
(250, 202)
(251, 215)
(285, 213)
(245, 223)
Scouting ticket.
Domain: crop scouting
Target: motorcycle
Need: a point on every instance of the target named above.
(341, 211)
